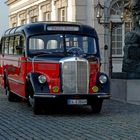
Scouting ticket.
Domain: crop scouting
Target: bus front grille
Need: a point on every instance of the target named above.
(75, 75)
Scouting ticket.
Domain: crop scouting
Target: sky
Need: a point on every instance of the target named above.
(3, 17)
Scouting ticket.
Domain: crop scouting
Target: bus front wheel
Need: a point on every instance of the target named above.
(96, 106)
(34, 103)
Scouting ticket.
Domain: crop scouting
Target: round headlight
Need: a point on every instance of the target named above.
(42, 79)
(103, 79)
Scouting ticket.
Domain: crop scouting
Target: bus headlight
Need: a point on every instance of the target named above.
(103, 79)
(42, 79)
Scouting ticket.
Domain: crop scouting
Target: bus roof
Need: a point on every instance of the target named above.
(51, 27)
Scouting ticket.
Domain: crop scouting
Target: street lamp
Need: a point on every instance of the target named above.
(99, 11)
(110, 25)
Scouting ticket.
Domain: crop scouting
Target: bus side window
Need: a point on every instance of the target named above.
(11, 44)
(6, 45)
(1, 46)
(16, 44)
(19, 44)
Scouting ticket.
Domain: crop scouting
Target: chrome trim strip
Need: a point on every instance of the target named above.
(44, 60)
(15, 60)
(16, 81)
(104, 96)
(45, 95)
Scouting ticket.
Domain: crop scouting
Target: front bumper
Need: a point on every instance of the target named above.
(65, 99)
(73, 96)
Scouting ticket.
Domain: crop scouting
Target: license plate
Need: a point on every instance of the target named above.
(77, 101)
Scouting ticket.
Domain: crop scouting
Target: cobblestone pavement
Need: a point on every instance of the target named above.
(117, 121)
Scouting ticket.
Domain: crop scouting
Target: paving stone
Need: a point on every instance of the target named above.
(117, 121)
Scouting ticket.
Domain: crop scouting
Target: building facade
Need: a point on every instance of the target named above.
(83, 11)
(113, 12)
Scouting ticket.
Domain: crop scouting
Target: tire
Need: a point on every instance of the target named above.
(36, 107)
(33, 102)
(96, 106)
(11, 96)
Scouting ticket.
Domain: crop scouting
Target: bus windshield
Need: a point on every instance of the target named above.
(62, 43)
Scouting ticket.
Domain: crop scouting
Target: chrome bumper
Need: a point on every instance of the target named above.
(95, 95)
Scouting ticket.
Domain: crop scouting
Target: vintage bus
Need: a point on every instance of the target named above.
(53, 63)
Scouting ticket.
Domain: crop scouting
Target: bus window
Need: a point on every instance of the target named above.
(0, 48)
(16, 44)
(71, 42)
(22, 44)
(11, 44)
(52, 44)
(6, 45)
(19, 44)
(1, 45)
(36, 44)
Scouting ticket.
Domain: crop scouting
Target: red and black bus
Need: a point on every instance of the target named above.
(53, 63)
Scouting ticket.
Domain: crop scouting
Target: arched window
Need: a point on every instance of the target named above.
(116, 8)
(118, 33)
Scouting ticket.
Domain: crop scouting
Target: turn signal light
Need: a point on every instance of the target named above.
(55, 89)
(95, 89)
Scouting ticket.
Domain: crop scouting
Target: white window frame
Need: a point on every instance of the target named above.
(46, 16)
(115, 11)
(62, 14)
(33, 19)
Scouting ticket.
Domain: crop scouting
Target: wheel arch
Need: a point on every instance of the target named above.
(33, 86)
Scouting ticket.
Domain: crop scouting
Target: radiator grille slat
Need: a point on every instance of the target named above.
(75, 76)
(69, 80)
(82, 77)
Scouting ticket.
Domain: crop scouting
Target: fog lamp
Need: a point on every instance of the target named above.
(42, 79)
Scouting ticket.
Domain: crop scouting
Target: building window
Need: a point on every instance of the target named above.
(62, 14)
(33, 14)
(22, 17)
(14, 24)
(34, 19)
(118, 33)
(46, 16)
(23, 21)
(13, 21)
(117, 41)
(115, 9)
